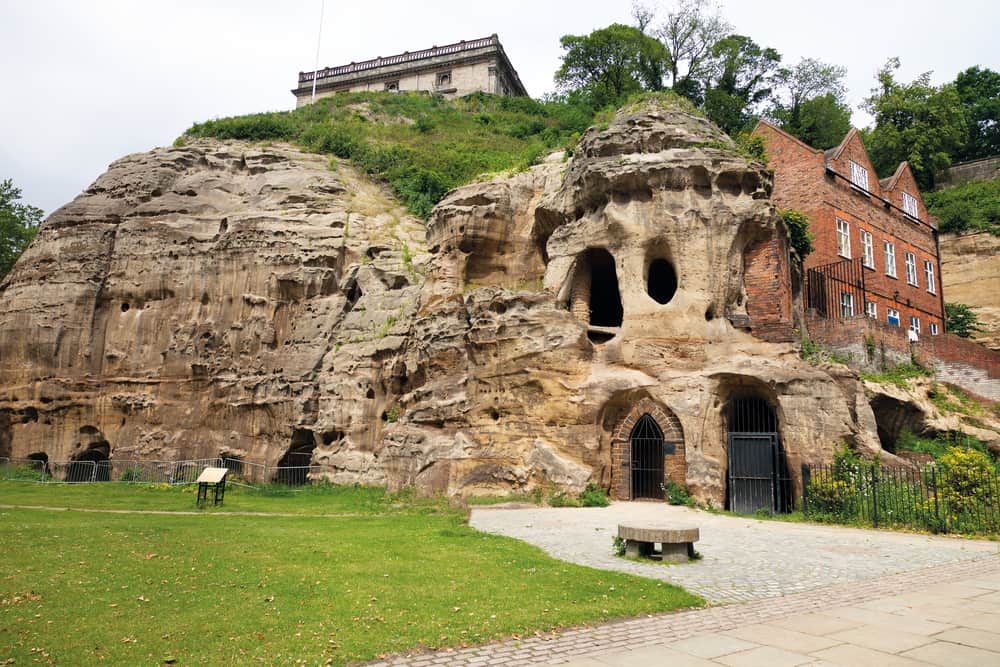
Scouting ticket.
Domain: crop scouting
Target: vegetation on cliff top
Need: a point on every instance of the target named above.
(421, 145)
(970, 206)
(18, 225)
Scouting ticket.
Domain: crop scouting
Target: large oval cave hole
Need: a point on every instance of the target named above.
(661, 281)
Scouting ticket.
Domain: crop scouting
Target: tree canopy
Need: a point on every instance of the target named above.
(808, 102)
(979, 91)
(18, 225)
(740, 81)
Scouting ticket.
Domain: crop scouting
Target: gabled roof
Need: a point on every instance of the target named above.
(835, 152)
(890, 183)
(786, 135)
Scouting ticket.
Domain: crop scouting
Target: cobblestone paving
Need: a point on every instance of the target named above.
(943, 615)
(743, 558)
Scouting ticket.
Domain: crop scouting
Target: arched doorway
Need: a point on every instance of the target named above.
(757, 477)
(646, 446)
(91, 465)
(293, 468)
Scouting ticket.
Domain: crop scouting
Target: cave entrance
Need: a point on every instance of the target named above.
(661, 281)
(595, 295)
(38, 463)
(893, 418)
(91, 465)
(757, 476)
(646, 445)
(293, 468)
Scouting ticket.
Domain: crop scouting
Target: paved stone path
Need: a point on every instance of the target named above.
(743, 558)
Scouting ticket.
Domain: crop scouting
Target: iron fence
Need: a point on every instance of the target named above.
(837, 291)
(152, 472)
(938, 499)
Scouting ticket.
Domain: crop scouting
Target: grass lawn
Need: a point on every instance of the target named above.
(83, 588)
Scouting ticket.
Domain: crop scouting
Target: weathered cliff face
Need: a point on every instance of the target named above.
(970, 274)
(230, 299)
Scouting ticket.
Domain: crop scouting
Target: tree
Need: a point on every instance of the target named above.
(979, 91)
(689, 33)
(739, 82)
(961, 319)
(610, 63)
(809, 103)
(917, 122)
(18, 225)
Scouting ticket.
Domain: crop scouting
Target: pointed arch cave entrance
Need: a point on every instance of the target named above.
(646, 444)
(757, 475)
(293, 468)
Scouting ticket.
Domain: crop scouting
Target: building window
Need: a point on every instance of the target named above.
(443, 80)
(892, 316)
(843, 238)
(929, 274)
(871, 309)
(859, 175)
(868, 249)
(392, 86)
(890, 258)
(914, 324)
(846, 304)
(911, 268)
(910, 205)
(934, 329)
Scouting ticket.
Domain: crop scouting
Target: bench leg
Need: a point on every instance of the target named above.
(677, 553)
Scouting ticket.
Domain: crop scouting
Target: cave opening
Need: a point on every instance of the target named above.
(293, 468)
(595, 297)
(893, 418)
(661, 281)
(92, 464)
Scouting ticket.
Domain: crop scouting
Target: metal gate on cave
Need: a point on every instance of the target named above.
(648, 448)
(757, 473)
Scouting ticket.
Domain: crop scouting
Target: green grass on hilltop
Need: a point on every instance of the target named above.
(971, 206)
(218, 588)
(422, 145)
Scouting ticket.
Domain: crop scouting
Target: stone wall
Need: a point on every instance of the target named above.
(984, 169)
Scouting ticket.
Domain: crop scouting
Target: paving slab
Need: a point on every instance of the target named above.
(765, 656)
(816, 624)
(712, 645)
(971, 637)
(880, 638)
(773, 635)
(859, 656)
(948, 654)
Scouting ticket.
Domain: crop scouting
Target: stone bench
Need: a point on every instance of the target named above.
(676, 541)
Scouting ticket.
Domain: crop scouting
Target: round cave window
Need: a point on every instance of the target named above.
(661, 281)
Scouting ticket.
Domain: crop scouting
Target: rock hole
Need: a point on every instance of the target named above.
(293, 467)
(125, 307)
(330, 437)
(29, 415)
(204, 298)
(370, 394)
(495, 414)
(605, 298)
(892, 418)
(661, 281)
(39, 462)
(710, 313)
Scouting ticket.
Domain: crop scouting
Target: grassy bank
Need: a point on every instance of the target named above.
(218, 588)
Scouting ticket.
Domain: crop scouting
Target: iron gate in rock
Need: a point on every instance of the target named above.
(757, 476)
(647, 447)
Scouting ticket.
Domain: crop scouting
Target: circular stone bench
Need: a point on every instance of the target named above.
(676, 541)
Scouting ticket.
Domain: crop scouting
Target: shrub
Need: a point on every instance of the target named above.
(562, 499)
(799, 235)
(594, 496)
(966, 480)
(677, 494)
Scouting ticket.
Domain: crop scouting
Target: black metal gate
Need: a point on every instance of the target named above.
(757, 472)
(646, 442)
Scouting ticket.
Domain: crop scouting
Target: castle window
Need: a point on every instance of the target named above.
(443, 80)
(392, 86)
(911, 268)
(859, 175)
(910, 205)
(843, 238)
(929, 274)
(846, 304)
(890, 259)
(871, 309)
(868, 249)
(892, 316)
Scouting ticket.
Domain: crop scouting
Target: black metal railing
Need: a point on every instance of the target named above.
(955, 499)
(837, 290)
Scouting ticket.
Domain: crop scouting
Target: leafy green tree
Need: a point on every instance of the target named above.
(961, 319)
(690, 32)
(915, 121)
(979, 90)
(809, 104)
(611, 63)
(740, 81)
(972, 205)
(18, 225)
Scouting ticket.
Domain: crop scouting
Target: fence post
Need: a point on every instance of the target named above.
(937, 513)
(806, 478)
(875, 496)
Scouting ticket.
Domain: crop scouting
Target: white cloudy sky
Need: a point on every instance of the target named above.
(84, 83)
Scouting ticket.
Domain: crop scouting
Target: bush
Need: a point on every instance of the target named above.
(966, 480)
(677, 494)
(973, 205)
(798, 231)
(594, 496)
(562, 499)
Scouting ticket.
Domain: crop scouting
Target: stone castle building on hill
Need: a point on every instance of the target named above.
(454, 70)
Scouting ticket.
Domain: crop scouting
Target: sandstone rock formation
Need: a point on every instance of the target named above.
(970, 274)
(239, 300)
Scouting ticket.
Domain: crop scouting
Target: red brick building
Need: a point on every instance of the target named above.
(876, 248)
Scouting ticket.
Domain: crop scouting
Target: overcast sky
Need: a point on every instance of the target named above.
(86, 82)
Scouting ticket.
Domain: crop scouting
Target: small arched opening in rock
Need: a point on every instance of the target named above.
(892, 418)
(646, 447)
(234, 464)
(757, 469)
(330, 437)
(661, 281)
(125, 307)
(595, 297)
(29, 414)
(352, 295)
(293, 468)
(38, 462)
(92, 464)
(710, 313)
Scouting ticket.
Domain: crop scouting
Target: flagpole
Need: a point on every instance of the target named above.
(319, 39)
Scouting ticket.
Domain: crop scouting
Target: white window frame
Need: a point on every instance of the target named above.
(889, 250)
(914, 324)
(846, 304)
(843, 238)
(911, 268)
(929, 274)
(934, 329)
(910, 206)
(868, 249)
(859, 175)
(871, 309)
(892, 314)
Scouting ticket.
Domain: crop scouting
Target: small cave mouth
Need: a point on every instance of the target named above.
(293, 467)
(605, 298)
(710, 313)
(661, 281)
(894, 417)
(125, 307)
(330, 437)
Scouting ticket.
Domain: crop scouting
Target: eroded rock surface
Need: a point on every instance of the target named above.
(229, 299)
(970, 274)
